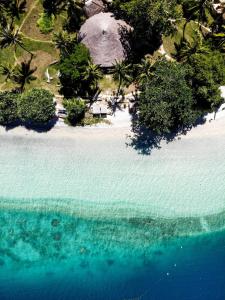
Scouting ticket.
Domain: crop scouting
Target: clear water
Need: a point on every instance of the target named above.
(85, 217)
(55, 256)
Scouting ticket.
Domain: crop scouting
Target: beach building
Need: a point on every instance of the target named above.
(102, 35)
(99, 110)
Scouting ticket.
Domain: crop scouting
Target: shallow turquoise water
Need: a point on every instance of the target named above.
(55, 256)
(89, 218)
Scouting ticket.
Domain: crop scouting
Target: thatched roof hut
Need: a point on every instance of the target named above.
(102, 35)
(93, 7)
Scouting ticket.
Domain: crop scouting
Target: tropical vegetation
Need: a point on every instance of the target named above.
(177, 85)
(32, 108)
(36, 107)
(75, 110)
(8, 108)
(166, 101)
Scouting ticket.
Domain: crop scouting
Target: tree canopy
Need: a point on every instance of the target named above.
(208, 74)
(166, 101)
(149, 19)
(36, 107)
(72, 69)
(8, 108)
(75, 109)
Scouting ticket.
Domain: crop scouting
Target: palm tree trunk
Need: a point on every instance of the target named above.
(21, 46)
(22, 87)
(119, 87)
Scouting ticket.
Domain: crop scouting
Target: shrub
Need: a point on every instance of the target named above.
(75, 109)
(208, 74)
(36, 107)
(46, 23)
(8, 108)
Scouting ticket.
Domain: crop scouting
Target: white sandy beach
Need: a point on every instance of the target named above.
(93, 171)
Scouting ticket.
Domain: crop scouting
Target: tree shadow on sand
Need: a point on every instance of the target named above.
(39, 128)
(144, 140)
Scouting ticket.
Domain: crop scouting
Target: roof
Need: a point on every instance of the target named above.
(102, 35)
(98, 108)
(93, 7)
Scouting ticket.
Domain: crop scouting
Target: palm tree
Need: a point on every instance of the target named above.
(23, 74)
(10, 36)
(65, 42)
(144, 69)
(75, 14)
(17, 7)
(121, 74)
(197, 9)
(3, 18)
(185, 49)
(53, 7)
(92, 75)
(7, 71)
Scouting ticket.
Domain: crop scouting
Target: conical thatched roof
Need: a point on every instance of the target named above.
(102, 35)
(93, 7)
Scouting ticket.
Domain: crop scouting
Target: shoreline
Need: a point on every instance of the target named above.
(67, 168)
(120, 123)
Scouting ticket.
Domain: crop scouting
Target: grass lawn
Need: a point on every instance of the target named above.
(40, 44)
(108, 84)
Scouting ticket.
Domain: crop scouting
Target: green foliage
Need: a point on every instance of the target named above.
(185, 48)
(6, 71)
(91, 121)
(75, 14)
(8, 108)
(121, 73)
(199, 10)
(218, 37)
(72, 70)
(65, 42)
(75, 110)
(144, 70)
(36, 107)
(92, 75)
(208, 74)
(10, 36)
(53, 7)
(16, 8)
(149, 19)
(46, 23)
(166, 101)
(12, 9)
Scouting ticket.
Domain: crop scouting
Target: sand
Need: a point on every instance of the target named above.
(94, 171)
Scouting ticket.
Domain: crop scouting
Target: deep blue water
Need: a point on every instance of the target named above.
(61, 257)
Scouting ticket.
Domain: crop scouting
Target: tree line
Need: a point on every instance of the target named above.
(173, 94)
(32, 108)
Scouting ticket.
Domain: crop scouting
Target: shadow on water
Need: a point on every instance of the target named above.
(144, 140)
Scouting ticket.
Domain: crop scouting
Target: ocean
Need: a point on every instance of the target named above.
(85, 216)
(56, 256)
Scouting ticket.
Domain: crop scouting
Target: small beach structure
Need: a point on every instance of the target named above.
(102, 35)
(93, 7)
(99, 110)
